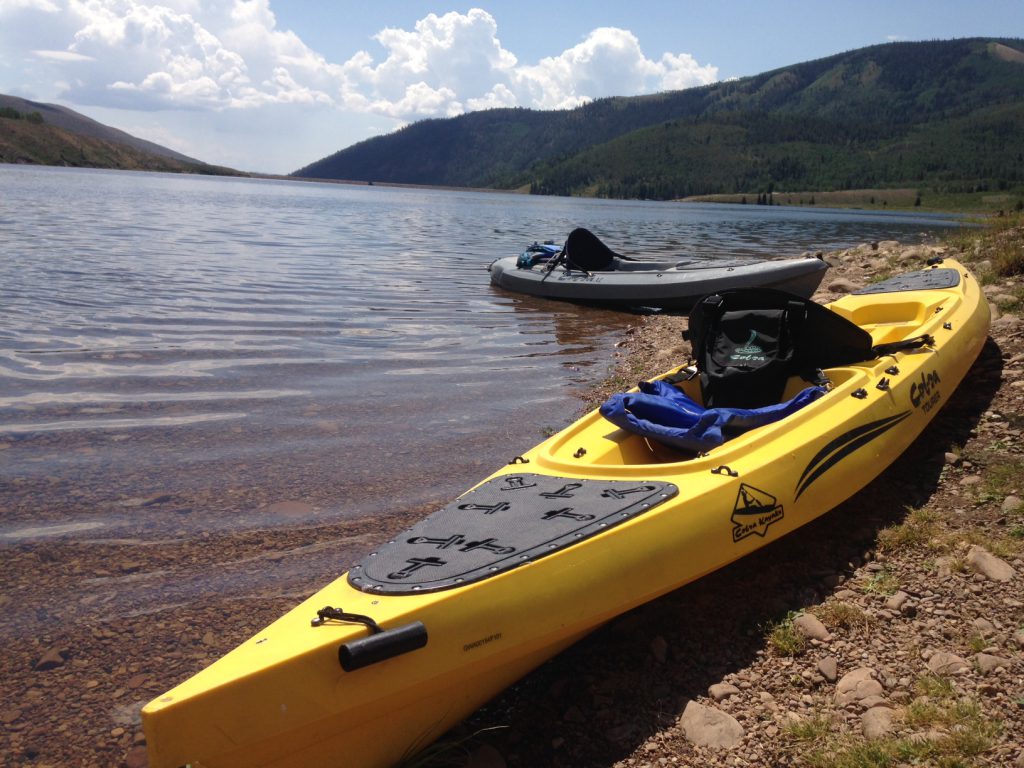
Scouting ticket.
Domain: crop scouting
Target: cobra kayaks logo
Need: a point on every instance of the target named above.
(753, 512)
(749, 351)
(925, 394)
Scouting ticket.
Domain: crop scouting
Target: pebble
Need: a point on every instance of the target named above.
(136, 758)
(856, 686)
(945, 663)
(811, 627)
(722, 691)
(988, 565)
(895, 603)
(828, 667)
(877, 722)
(710, 727)
(988, 663)
(51, 659)
(8, 716)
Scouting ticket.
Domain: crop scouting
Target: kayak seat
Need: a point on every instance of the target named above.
(749, 342)
(583, 250)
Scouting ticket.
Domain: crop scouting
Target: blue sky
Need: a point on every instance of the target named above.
(270, 85)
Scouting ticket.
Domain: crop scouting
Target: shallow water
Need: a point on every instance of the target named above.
(181, 355)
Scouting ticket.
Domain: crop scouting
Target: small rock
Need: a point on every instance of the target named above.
(985, 627)
(710, 727)
(1012, 503)
(136, 758)
(8, 716)
(945, 663)
(876, 723)
(856, 686)
(873, 701)
(842, 286)
(989, 663)
(722, 691)
(52, 659)
(896, 602)
(953, 459)
(811, 627)
(136, 681)
(988, 565)
(829, 668)
(1018, 638)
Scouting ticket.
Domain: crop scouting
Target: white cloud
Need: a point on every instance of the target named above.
(46, 6)
(230, 54)
(608, 63)
(62, 56)
(225, 66)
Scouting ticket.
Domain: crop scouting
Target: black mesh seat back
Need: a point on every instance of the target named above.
(585, 251)
(749, 341)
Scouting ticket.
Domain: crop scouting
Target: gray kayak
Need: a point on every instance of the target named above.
(543, 271)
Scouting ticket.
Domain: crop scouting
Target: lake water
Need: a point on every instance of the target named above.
(180, 355)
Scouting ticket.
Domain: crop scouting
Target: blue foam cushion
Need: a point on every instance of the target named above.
(664, 413)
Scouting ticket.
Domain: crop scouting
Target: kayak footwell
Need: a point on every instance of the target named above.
(503, 523)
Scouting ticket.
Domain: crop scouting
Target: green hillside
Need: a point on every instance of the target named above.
(48, 134)
(947, 114)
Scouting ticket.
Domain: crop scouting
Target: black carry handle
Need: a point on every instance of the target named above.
(381, 646)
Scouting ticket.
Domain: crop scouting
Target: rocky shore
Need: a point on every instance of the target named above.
(889, 632)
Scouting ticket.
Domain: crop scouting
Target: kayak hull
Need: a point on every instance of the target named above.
(667, 285)
(283, 698)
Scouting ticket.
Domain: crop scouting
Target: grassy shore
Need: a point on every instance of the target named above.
(906, 198)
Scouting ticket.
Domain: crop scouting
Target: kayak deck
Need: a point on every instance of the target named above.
(504, 523)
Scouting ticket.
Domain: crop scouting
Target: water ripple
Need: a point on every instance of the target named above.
(228, 343)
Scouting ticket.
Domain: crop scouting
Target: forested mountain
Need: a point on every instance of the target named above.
(37, 133)
(942, 112)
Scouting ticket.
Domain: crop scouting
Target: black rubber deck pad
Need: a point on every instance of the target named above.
(506, 522)
(926, 279)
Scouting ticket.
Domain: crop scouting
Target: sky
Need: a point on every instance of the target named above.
(272, 85)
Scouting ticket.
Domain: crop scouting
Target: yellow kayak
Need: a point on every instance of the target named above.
(587, 525)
